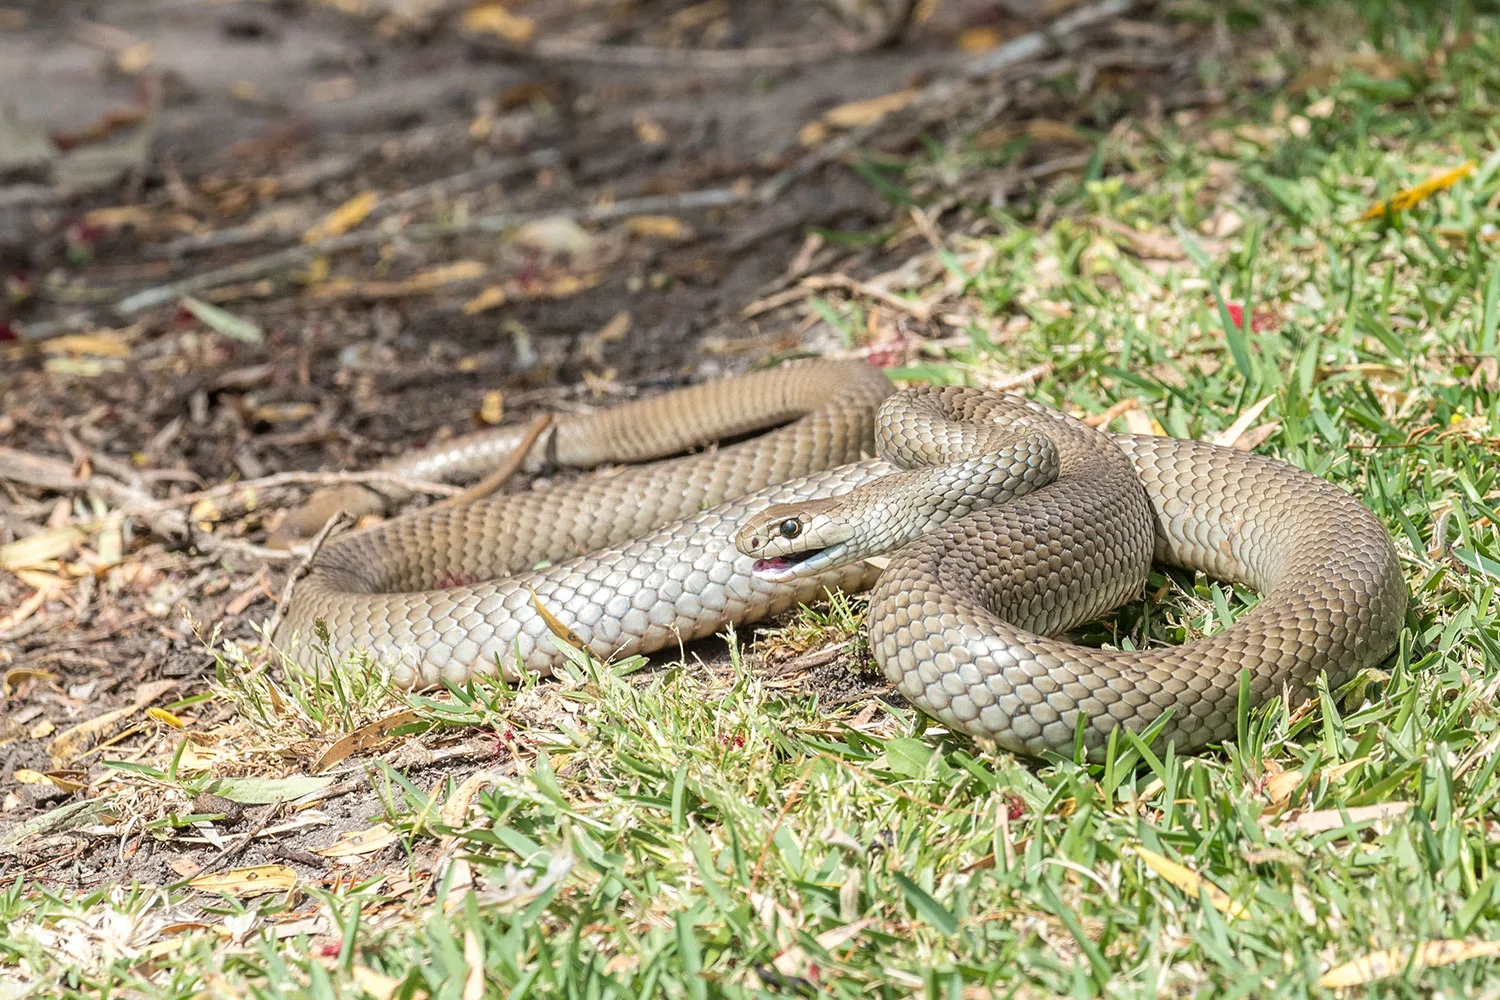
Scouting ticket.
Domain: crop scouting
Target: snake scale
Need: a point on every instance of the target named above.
(1006, 523)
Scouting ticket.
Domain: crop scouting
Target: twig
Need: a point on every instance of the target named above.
(916, 310)
(1045, 41)
(1030, 46)
(815, 658)
(496, 479)
(233, 850)
(256, 267)
(338, 520)
(296, 479)
(445, 187)
(711, 60)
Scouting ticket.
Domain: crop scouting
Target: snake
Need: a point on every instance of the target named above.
(984, 525)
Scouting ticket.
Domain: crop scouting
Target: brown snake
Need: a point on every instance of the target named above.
(1011, 523)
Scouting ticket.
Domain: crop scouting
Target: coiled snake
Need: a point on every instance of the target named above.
(1006, 523)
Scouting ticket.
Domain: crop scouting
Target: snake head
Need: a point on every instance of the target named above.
(792, 540)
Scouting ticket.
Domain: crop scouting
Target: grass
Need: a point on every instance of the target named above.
(699, 834)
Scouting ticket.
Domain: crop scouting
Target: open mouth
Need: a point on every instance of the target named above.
(782, 567)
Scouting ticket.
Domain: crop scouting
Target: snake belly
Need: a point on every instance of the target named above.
(633, 562)
(963, 620)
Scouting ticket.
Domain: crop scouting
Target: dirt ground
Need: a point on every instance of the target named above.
(145, 143)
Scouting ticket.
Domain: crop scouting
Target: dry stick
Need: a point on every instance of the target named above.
(508, 468)
(248, 270)
(712, 60)
(445, 187)
(297, 479)
(1028, 46)
(1045, 41)
(338, 520)
(725, 60)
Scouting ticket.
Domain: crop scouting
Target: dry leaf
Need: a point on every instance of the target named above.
(474, 959)
(556, 234)
(871, 110)
(649, 132)
(662, 227)
(344, 218)
(1229, 435)
(104, 344)
(492, 407)
(491, 297)
(39, 551)
(495, 19)
(980, 39)
(134, 59)
(418, 284)
(363, 738)
(559, 287)
(381, 987)
(1415, 195)
(16, 676)
(223, 321)
(1324, 820)
(254, 881)
(354, 843)
(1190, 882)
(1384, 964)
(163, 716)
(1138, 421)
(72, 743)
(555, 625)
(812, 134)
(24, 610)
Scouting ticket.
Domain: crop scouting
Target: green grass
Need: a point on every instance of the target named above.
(695, 835)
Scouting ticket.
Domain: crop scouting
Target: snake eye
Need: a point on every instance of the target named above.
(791, 528)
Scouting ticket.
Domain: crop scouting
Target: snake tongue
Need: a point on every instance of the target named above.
(772, 565)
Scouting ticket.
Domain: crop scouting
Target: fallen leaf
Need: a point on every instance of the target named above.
(980, 39)
(491, 297)
(870, 110)
(344, 218)
(16, 676)
(363, 738)
(420, 283)
(812, 134)
(134, 59)
(1229, 435)
(73, 743)
(474, 959)
(662, 227)
(263, 791)
(649, 131)
(223, 321)
(354, 843)
(1415, 195)
(555, 625)
(1323, 820)
(163, 716)
(558, 287)
(492, 407)
(556, 234)
(1190, 882)
(1385, 964)
(495, 19)
(254, 881)
(40, 551)
(379, 986)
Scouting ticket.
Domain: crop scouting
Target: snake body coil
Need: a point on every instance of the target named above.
(1014, 523)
